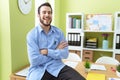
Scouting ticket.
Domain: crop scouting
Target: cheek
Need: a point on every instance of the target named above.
(41, 17)
(50, 17)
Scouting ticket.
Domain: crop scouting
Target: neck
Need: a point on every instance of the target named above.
(45, 28)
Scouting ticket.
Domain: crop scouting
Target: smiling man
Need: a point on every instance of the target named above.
(47, 47)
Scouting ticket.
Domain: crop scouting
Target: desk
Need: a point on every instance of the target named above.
(80, 68)
(109, 73)
(15, 77)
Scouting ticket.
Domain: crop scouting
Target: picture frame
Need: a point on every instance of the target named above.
(98, 22)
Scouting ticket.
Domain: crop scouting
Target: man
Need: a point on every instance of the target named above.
(46, 47)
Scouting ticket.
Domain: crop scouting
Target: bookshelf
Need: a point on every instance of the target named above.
(98, 35)
(117, 36)
(95, 26)
(77, 31)
(74, 31)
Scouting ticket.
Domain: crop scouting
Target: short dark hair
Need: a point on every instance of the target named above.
(44, 4)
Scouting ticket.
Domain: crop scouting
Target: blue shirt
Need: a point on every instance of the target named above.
(37, 39)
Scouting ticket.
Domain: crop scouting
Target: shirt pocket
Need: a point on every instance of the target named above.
(55, 44)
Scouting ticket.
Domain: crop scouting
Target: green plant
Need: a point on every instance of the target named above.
(87, 64)
(118, 68)
(105, 36)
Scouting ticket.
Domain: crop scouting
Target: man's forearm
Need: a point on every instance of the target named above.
(62, 45)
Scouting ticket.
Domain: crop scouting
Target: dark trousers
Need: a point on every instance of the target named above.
(67, 73)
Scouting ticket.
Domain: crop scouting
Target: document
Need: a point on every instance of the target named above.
(114, 79)
(71, 63)
(23, 72)
(95, 76)
(97, 67)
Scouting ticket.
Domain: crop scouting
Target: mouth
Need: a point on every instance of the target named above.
(46, 21)
(46, 18)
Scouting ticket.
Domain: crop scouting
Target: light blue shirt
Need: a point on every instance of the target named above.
(37, 39)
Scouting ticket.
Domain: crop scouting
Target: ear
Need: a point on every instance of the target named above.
(38, 15)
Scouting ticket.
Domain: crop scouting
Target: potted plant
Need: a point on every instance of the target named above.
(118, 70)
(87, 66)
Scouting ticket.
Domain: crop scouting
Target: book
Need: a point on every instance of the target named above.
(95, 76)
(91, 46)
(97, 67)
(78, 26)
(74, 22)
(71, 63)
(118, 24)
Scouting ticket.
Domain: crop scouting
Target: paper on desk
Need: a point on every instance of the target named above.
(71, 64)
(113, 78)
(97, 67)
(23, 72)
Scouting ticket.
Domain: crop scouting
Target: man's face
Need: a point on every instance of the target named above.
(45, 15)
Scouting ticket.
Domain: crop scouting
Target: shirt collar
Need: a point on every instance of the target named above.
(51, 29)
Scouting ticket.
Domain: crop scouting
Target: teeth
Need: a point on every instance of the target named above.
(46, 19)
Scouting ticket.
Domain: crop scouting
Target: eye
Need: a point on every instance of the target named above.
(44, 12)
(49, 12)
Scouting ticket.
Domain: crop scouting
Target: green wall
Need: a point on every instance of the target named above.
(57, 12)
(86, 7)
(20, 25)
(13, 29)
(0, 36)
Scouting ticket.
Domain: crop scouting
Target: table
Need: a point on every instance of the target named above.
(80, 68)
(109, 72)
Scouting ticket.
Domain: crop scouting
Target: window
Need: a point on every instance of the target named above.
(37, 4)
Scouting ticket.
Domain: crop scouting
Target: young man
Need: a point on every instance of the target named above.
(46, 48)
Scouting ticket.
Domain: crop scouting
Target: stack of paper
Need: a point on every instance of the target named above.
(23, 72)
(97, 67)
(95, 76)
(71, 63)
(114, 79)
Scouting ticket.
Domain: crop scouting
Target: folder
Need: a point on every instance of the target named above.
(95, 76)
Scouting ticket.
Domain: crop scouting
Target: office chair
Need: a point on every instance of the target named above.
(73, 57)
(107, 60)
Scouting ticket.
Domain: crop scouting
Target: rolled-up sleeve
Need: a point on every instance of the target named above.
(35, 58)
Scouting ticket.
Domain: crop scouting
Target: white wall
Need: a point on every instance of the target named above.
(37, 4)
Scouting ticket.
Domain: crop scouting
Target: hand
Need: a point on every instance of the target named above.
(44, 51)
(62, 45)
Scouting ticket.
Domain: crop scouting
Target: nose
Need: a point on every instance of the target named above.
(47, 14)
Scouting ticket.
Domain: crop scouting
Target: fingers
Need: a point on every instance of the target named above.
(44, 51)
(62, 45)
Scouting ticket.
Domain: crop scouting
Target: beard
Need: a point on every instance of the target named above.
(45, 24)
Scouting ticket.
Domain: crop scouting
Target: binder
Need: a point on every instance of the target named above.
(74, 39)
(118, 41)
